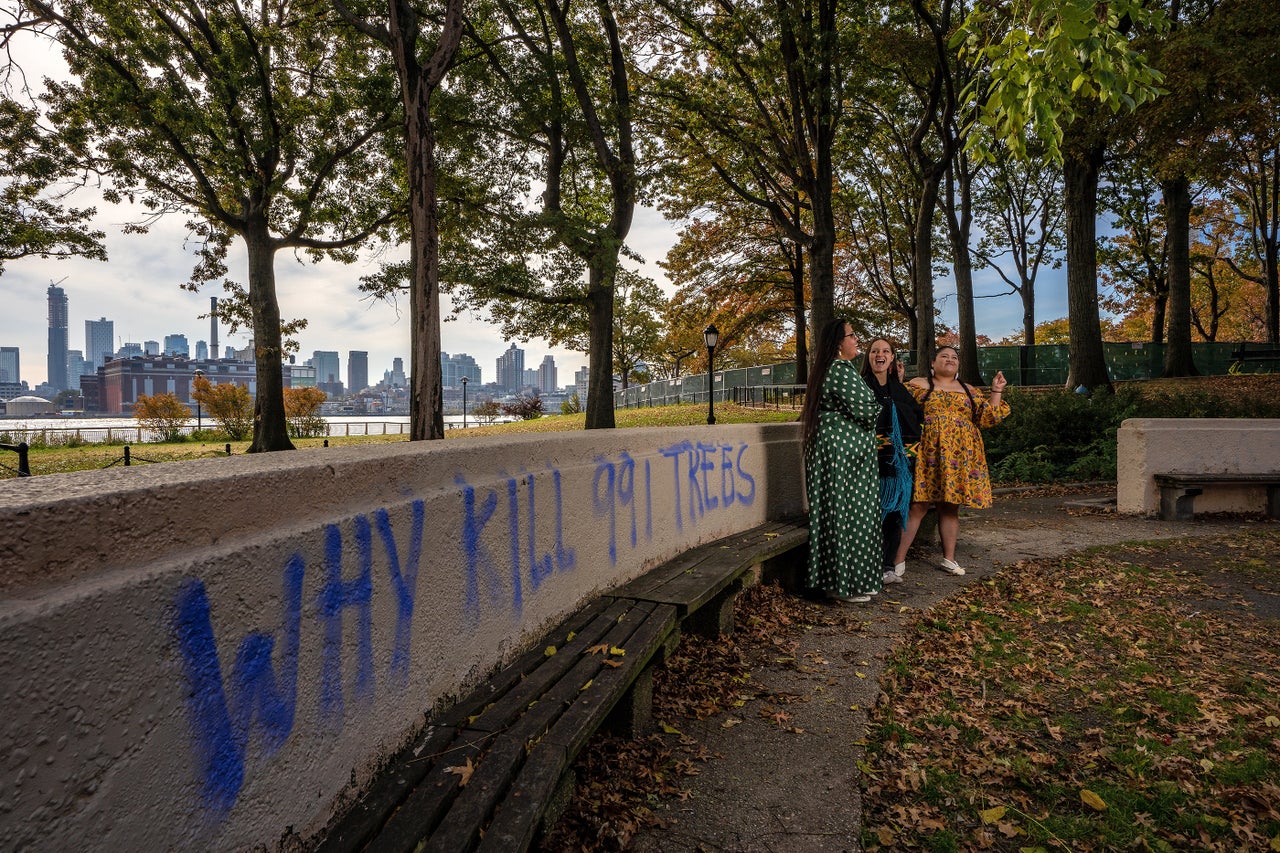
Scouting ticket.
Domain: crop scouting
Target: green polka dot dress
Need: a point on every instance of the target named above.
(843, 487)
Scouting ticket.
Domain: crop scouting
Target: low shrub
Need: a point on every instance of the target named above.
(1063, 436)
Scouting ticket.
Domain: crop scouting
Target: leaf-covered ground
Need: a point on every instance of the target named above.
(1123, 699)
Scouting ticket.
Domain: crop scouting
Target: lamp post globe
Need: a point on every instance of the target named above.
(464, 402)
(199, 414)
(711, 336)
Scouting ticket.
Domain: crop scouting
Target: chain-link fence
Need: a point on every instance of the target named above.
(1028, 366)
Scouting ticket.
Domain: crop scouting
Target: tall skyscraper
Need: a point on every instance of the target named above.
(10, 365)
(150, 347)
(327, 365)
(396, 378)
(99, 341)
(57, 338)
(328, 371)
(176, 345)
(129, 349)
(202, 351)
(357, 371)
(547, 375)
(582, 383)
(510, 369)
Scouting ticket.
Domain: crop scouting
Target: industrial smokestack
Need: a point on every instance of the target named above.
(213, 328)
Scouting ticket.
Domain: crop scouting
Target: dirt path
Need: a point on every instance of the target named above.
(793, 786)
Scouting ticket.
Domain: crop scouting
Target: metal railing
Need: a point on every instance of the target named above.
(24, 461)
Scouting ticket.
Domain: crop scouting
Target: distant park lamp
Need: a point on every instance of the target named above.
(199, 415)
(464, 402)
(711, 336)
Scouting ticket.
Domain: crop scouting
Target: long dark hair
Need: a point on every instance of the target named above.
(868, 375)
(973, 406)
(828, 346)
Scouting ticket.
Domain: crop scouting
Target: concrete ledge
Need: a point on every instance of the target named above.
(217, 654)
(1150, 446)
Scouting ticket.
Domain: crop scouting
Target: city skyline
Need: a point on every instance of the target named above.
(143, 307)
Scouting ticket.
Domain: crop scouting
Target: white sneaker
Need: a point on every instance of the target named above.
(951, 567)
(900, 569)
(853, 599)
(892, 577)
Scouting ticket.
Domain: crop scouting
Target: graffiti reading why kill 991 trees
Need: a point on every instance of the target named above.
(255, 702)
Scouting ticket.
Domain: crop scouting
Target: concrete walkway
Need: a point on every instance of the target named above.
(782, 792)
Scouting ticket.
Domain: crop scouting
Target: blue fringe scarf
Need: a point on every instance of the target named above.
(895, 491)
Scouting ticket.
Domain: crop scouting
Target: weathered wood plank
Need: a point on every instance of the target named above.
(505, 708)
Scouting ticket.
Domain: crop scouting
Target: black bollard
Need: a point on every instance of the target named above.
(228, 449)
(326, 442)
(126, 456)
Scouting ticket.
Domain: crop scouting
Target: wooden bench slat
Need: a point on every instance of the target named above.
(730, 553)
(459, 828)
(499, 714)
(516, 818)
(497, 685)
(402, 774)
(593, 704)
(426, 804)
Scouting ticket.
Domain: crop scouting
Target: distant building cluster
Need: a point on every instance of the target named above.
(107, 378)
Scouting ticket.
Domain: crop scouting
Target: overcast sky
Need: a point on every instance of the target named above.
(138, 289)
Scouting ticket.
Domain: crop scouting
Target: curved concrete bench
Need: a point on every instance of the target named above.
(220, 654)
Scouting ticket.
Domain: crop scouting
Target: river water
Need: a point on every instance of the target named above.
(126, 429)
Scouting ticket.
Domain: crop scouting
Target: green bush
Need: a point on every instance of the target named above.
(1062, 436)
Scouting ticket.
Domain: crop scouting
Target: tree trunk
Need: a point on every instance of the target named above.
(426, 393)
(822, 266)
(959, 222)
(599, 405)
(1028, 294)
(797, 311)
(417, 83)
(1177, 212)
(1271, 250)
(1159, 316)
(926, 332)
(1087, 365)
(270, 429)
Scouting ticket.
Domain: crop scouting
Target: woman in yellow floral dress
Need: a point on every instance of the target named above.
(951, 470)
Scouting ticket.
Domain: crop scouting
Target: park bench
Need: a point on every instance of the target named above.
(1178, 491)
(1243, 353)
(495, 770)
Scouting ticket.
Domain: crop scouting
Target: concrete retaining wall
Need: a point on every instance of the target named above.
(1150, 446)
(216, 654)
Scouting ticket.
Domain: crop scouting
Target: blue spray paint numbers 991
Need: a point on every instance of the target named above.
(256, 703)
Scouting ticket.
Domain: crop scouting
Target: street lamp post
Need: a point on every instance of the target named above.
(464, 402)
(711, 335)
(199, 414)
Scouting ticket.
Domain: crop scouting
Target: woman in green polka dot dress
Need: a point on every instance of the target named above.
(841, 471)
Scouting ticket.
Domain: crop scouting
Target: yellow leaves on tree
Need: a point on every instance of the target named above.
(163, 414)
(227, 403)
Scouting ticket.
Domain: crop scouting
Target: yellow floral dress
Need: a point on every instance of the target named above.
(952, 465)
